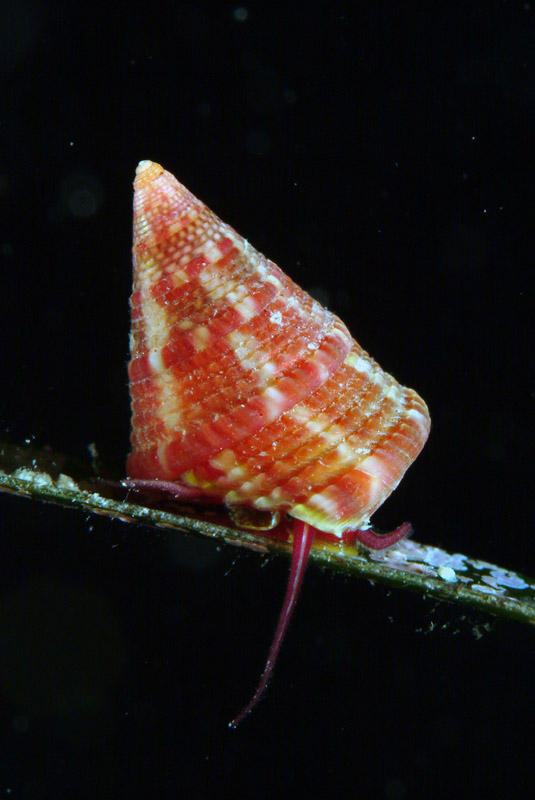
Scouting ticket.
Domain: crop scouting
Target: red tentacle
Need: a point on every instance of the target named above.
(303, 536)
(378, 541)
(177, 491)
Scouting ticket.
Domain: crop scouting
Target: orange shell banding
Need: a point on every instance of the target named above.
(244, 385)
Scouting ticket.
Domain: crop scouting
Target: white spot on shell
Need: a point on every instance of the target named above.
(413, 412)
(264, 502)
(274, 403)
(276, 318)
(173, 420)
(266, 371)
(215, 293)
(394, 394)
(378, 377)
(419, 418)
(324, 503)
(232, 498)
(373, 466)
(323, 373)
(225, 461)
(155, 360)
(237, 474)
(142, 166)
(242, 345)
(246, 307)
(211, 252)
(273, 280)
(345, 452)
(200, 337)
(359, 364)
(313, 426)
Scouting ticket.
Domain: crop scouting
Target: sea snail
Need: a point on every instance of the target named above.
(247, 390)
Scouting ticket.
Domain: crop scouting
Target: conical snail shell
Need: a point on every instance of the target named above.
(245, 386)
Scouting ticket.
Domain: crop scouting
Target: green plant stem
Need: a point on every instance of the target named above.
(45, 476)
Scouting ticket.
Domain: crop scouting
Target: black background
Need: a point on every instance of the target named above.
(383, 157)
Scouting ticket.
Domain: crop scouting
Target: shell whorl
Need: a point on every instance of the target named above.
(244, 385)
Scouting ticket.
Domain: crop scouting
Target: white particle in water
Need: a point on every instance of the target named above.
(447, 574)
